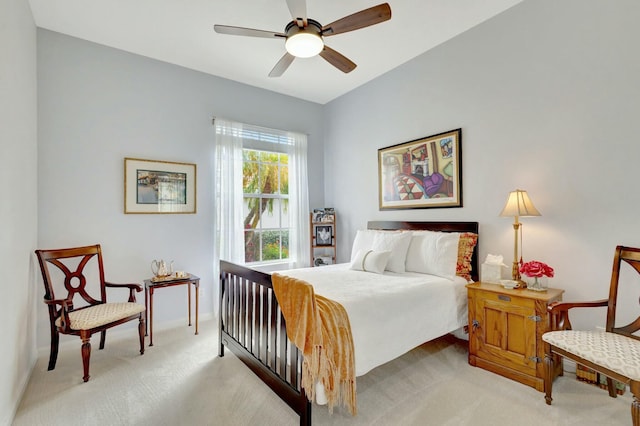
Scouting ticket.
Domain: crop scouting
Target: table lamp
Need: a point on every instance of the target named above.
(518, 205)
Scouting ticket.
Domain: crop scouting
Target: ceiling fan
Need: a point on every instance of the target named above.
(304, 36)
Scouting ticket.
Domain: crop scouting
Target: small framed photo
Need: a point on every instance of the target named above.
(159, 187)
(328, 217)
(324, 235)
(318, 216)
(324, 215)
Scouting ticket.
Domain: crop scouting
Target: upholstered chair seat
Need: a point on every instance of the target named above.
(610, 350)
(99, 315)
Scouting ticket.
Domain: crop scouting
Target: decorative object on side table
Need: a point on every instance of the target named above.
(160, 269)
(518, 205)
(537, 274)
(510, 284)
(493, 270)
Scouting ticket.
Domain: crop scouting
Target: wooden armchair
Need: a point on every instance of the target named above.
(615, 352)
(95, 314)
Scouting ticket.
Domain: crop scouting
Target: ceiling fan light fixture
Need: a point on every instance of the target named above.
(304, 44)
(304, 36)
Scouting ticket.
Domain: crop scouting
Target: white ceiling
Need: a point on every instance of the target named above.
(181, 32)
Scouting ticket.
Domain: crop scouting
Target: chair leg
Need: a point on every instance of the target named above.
(611, 387)
(141, 334)
(635, 405)
(548, 376)
(86, 355)
(55, 341)
(103, 337)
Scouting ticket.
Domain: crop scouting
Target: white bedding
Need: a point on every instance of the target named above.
(390, 313)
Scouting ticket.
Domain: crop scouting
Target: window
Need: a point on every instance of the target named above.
(265, 185)
(261, 199)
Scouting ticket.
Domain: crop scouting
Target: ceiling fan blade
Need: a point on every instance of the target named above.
(282, 65)
(250, 32)
(298, 9)
(364, 18)
(338, 60)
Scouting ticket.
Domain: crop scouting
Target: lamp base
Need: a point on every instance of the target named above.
(521, 283)
(515, 274)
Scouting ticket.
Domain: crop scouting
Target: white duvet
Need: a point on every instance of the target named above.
(390, 313)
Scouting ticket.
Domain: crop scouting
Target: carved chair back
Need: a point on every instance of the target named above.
(73, 272)
(630, 256)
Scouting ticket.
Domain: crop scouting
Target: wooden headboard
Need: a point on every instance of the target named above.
(434, 226)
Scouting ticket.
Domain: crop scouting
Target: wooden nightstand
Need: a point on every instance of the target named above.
(505, 330)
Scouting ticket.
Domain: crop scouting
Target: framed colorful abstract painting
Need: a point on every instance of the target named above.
(422, 173)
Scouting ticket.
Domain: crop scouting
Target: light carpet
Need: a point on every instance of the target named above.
(182, 381)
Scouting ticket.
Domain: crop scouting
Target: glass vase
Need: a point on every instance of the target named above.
(536, 283)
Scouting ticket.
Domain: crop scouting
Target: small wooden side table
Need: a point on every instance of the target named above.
(506, 328)
(149, 287)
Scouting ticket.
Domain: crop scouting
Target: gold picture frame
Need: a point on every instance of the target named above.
(423, 173)
(159, 187)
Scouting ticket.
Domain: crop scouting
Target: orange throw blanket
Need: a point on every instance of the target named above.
(320, 328)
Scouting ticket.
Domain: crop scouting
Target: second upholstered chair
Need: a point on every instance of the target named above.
(614, 352)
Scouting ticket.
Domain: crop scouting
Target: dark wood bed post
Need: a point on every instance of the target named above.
(223, 284)
(251, 324)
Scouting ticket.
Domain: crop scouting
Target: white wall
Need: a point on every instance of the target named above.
(98, 105)
(18, 207)
(547, 95)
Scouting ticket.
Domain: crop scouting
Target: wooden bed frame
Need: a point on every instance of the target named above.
(252, 327)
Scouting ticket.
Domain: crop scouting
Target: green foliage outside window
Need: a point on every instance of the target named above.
(266, 189)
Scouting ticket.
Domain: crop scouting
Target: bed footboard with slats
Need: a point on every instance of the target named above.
(251, 325)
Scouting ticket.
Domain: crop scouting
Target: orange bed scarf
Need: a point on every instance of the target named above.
(320, 328)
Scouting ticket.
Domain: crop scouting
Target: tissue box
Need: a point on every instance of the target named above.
(490, 273)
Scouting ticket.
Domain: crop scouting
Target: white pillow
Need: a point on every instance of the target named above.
(434, 253)
(370, 261)
(363, 241)
(398, 244)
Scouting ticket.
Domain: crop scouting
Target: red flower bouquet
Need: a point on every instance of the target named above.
(536, 269)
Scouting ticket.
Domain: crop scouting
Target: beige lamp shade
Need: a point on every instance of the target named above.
(519, 204)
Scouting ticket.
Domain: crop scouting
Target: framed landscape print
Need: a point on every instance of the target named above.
(159, 186)
(422, 173)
